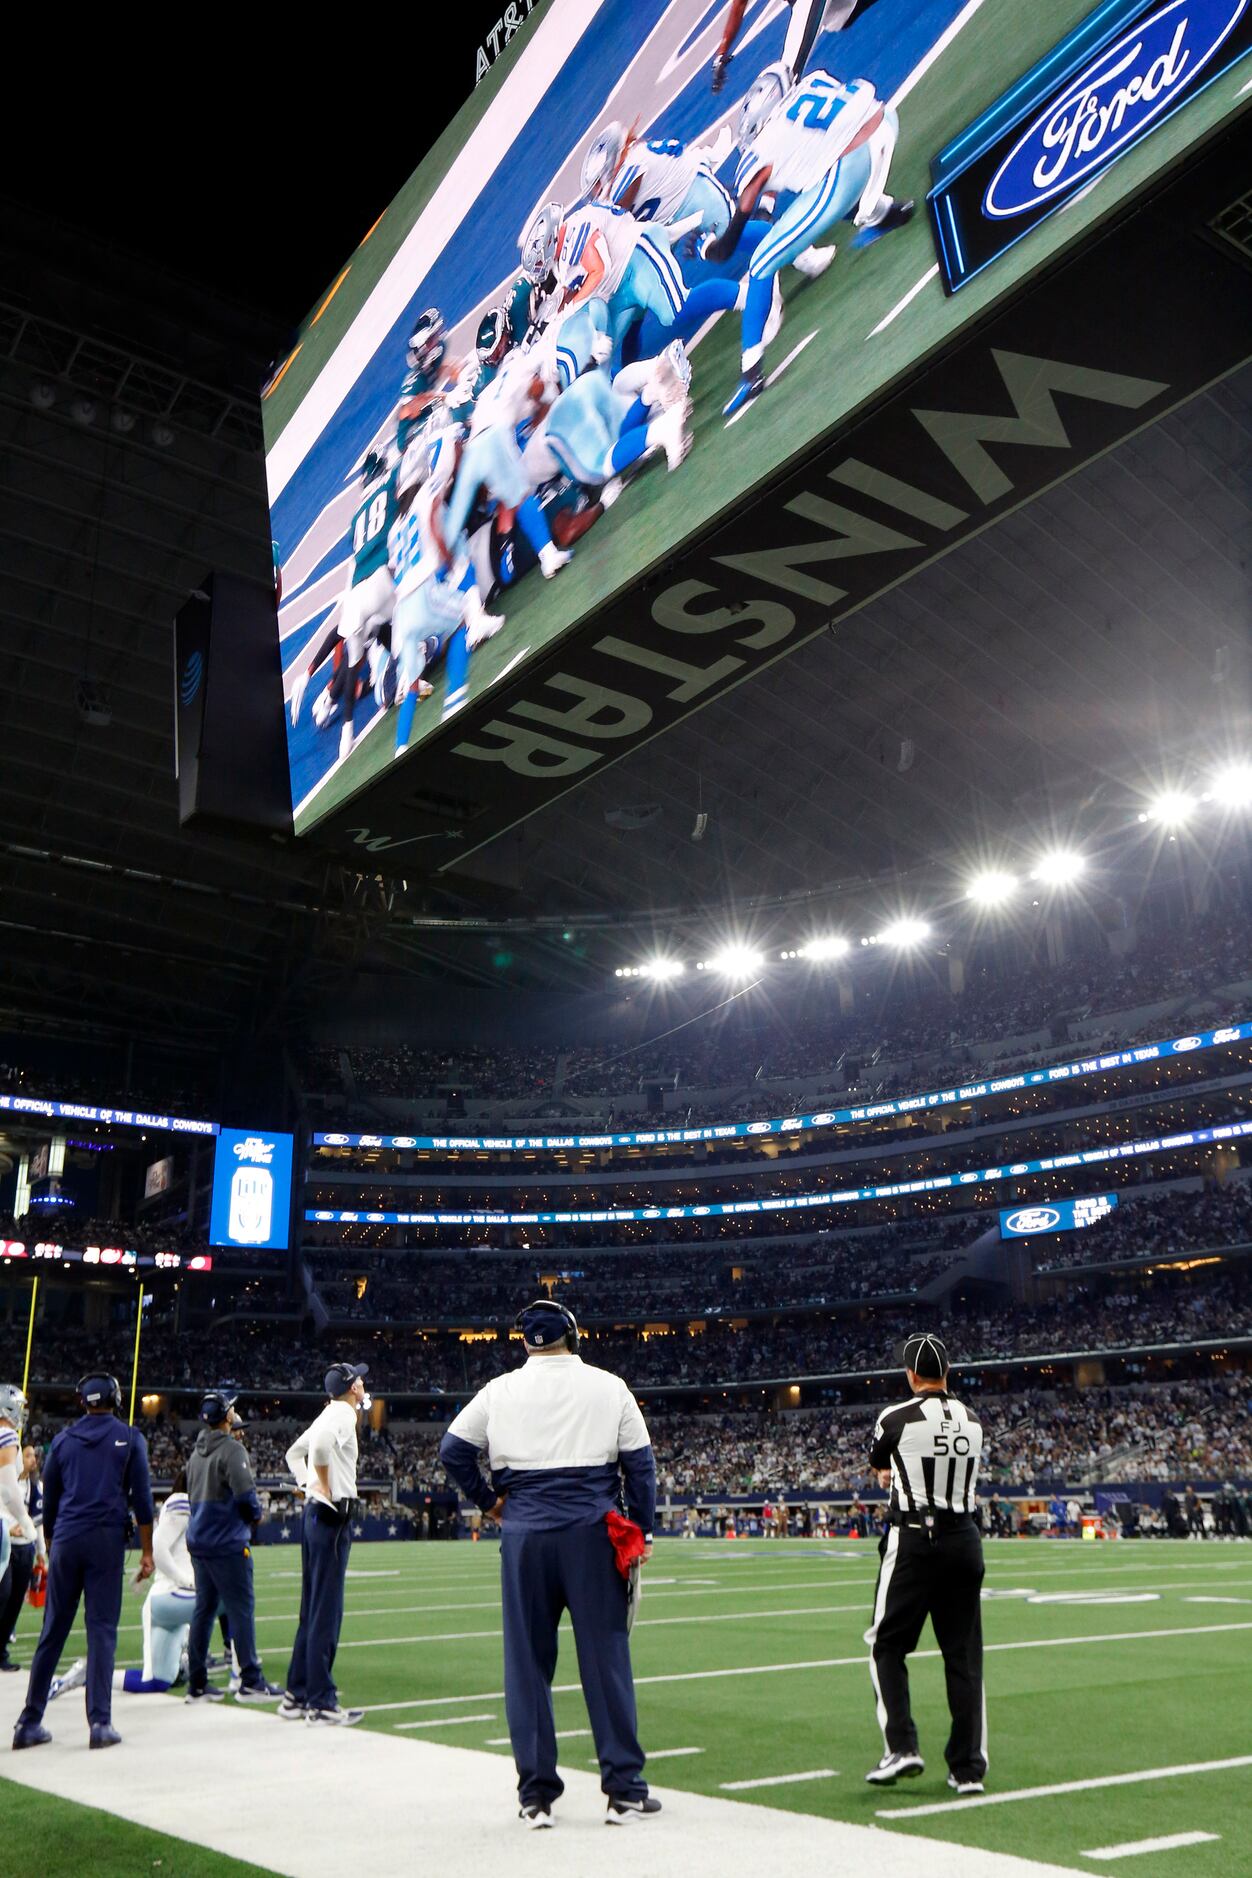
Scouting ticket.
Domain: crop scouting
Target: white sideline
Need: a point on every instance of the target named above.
(1173, 1842)
(1067, 1786)
(828, 1662)
(175, 1765)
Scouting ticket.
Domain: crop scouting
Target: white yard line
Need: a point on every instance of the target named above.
(830, 1662)
(776, 373)
(940, 46)
(1066, 1786)
(900, 305)
(662, 1754)
(447, 1721)
(562, 1734)
(776, 1780)
(1172, 1842)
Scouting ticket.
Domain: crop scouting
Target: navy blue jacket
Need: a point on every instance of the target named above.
(224, 1503)
(95, 1475)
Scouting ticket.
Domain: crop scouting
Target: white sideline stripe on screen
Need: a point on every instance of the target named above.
(382, 717)
(1171, 1843)
(446, 1721)
(940, 46)
(900, 305)
(1065, 1786)
(777, 372)
(548, 45)
(776, 1780)
(830, 1662)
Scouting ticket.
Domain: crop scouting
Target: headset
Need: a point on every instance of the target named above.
(215, 1406)
(566, 1318)
(98, 1387)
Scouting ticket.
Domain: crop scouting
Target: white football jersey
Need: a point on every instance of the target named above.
(617, 235)
(507, 399)
(169, 1546)
(665, 170)
(412, 550)
(808, 131)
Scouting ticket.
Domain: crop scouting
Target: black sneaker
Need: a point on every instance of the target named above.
(104, 1735)
(893, 1767)
(260, 1692)
(334, 1717)
(207, 1694)
(536, 1818)
(965, 1783)
(620, 1812)
(7, 1663)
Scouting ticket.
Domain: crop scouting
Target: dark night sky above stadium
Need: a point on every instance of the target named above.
(254, 170)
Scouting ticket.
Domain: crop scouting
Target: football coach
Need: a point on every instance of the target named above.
(559, 1436)
(927, 1450)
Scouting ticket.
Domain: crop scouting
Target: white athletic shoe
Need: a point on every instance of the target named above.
(74, 1678)
(669, 433)
(485, 627)
(893, 1767)
(536, 1818)
(611, 491)
(774, 320)
(334, 1717)
(552, 559)
(670, 378)
(814, 261)
(291, 1710)
(345, 739)
(965, 1786)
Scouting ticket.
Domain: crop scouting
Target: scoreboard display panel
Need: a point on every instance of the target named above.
(657, 258)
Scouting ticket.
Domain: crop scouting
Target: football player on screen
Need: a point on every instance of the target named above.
(829, 145)
(809, 19)
(663, 180)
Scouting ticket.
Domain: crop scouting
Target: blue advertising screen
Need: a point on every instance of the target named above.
(1026, 1222)
(251, 1189)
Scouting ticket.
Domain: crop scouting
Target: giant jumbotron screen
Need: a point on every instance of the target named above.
(636, 278)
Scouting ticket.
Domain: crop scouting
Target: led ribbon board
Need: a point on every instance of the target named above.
(1127, 68)
(47, 1251)
(113, 1118)
(795, 1203)
(824, 1118)
(1027, 1222)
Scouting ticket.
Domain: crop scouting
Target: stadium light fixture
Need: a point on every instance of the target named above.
(663, 969)
(1059, 867)
(904, 932)
(991, 888)
(832, 946)
(736, 961)
(1231, 787)
(1171, 808)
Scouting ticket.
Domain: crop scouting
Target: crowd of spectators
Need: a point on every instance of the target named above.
(1159, 1225)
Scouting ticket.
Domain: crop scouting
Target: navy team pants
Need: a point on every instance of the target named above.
(544, 1574)
(86, 1568)
(223, 1581)
(13, 1587)
(325, 1542)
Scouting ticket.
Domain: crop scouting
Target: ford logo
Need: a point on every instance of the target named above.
(193, 672)
(1111, 103)
(1187, 1043)
(1033, 1219)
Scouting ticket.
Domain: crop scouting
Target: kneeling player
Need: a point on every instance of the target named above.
(166, 1611)
(830, 144)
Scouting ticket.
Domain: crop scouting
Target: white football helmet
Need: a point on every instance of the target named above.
(761, 102)
(12, 1404)
(604, 153)
(537, 241)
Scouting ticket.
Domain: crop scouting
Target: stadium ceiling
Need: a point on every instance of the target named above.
(1090, 639)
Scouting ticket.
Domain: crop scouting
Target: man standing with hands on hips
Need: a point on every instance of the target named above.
(927, 1450)
(559, 1437)
(323, 1462)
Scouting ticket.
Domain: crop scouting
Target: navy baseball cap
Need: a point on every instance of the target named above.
(216, 1406)
(546, 1322)
(925, 1355)
(340, 1377)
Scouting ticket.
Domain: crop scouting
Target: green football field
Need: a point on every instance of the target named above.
(1121, 1667)
(845, 338)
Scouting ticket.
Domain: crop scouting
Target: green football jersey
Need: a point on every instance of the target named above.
(370, 527)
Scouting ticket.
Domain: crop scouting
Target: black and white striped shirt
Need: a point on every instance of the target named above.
(932, 1445)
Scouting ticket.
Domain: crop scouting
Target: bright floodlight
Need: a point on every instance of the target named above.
(664, 968)
(905, 932)
(1232, 786)
(991, 888)
(1171, 808)
(833, 946)
(736, 961)
(1059, 867)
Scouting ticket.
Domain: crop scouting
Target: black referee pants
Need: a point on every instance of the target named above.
(940, 1578)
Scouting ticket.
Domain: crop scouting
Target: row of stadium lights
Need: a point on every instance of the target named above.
(1230, 788)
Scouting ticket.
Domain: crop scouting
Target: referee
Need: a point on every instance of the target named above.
(927, 1451)
(559, 1437)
